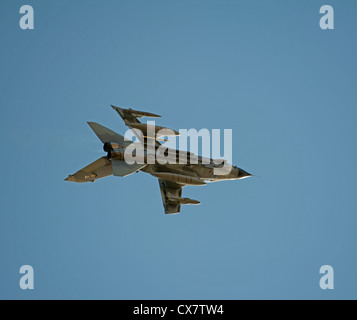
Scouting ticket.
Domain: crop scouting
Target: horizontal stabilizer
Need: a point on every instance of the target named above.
(98, 169)
(122, 169)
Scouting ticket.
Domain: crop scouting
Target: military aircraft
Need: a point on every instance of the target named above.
(196, 171)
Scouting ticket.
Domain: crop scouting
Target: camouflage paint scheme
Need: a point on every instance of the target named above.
(172, 177)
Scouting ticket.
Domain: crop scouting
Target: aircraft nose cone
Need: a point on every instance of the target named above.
(243, 174)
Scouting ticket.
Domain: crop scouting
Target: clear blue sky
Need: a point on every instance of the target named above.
(262, 68)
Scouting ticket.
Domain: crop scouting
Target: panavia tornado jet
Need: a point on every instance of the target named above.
(172, 176)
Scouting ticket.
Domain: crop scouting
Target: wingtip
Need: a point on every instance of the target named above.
(115, 107)
(92, 123)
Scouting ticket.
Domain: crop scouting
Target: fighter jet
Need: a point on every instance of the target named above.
(172, 177)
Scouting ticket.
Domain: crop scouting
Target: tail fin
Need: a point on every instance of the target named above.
(105, 134)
